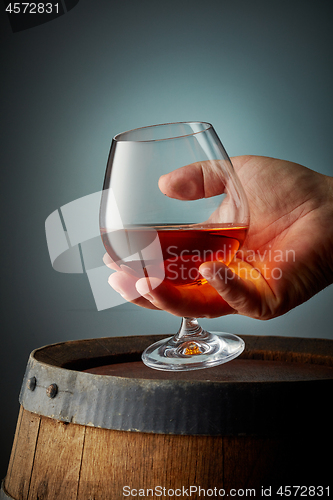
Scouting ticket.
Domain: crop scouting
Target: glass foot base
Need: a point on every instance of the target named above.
(193, 352)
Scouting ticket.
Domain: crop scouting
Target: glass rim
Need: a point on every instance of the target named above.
(118, 137)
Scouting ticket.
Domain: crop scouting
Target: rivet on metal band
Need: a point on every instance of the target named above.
(31, 383)
(52, 391)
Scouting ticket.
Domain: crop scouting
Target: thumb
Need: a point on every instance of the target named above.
(198, 180)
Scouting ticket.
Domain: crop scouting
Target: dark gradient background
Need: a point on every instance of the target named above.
(260, 71)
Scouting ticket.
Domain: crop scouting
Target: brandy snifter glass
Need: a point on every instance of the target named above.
(166, 238)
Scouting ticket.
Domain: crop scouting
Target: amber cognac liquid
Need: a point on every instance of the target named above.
(173, 251)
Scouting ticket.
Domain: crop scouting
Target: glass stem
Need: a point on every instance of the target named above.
(188, 328)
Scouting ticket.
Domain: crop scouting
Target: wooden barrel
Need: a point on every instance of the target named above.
(95, 423)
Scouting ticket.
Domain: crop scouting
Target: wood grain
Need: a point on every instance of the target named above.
(18, 478)
(114, 459)
(73, 462)
(57, 463)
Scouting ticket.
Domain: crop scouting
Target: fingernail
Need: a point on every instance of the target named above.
(143, 289)
(206, 273)
(130, 271)
(149, 297)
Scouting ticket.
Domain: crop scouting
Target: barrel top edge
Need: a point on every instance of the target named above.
(60, 353)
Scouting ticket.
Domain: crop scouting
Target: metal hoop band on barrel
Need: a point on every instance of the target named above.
(56, 385)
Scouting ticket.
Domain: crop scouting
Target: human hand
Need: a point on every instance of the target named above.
(287, 256)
